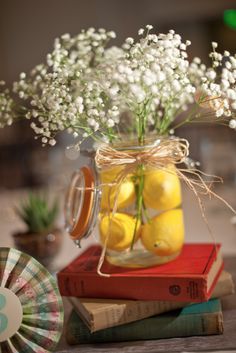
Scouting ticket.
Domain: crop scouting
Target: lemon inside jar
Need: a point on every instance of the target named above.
(146, 226)
(117, 231)
(116, 188)
(164, 234)
(162, 190)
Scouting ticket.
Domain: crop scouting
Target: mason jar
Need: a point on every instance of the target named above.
(132, 194)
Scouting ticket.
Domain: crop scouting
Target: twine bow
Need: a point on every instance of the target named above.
(162, 153)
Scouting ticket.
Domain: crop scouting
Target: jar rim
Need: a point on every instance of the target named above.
(133, 144)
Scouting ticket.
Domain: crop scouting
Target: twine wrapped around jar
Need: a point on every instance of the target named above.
(164, 151)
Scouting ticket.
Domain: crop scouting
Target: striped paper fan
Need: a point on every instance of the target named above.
(31, 309)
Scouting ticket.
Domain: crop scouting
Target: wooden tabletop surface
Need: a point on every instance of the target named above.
(224, 342)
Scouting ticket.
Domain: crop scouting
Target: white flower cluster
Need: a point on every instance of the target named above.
(85, 87)
(218, 84)
(6, 104)
(65, 94)
(151, 80)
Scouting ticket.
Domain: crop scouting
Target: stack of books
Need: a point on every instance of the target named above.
(177, 299)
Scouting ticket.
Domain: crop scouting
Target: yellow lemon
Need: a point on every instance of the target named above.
(125, 193)
(164, 235)
(119, 229)
(110, 174)
(162, 190)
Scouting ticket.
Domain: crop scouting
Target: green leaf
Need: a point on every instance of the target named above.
(37, 214)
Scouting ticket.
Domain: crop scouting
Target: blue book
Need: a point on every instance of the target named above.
(194, 320)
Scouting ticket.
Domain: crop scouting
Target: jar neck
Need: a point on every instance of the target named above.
(134, 145)
(161, 151)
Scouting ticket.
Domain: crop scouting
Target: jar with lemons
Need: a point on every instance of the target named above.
(140, 218)
(135, 200)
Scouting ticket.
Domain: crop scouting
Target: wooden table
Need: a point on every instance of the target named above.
(224, 342)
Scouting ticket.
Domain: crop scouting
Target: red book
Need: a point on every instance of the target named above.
(189, 278)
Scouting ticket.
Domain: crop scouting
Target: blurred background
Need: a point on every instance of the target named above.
(27, 31)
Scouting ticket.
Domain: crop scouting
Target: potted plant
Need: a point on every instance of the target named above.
(42, 239)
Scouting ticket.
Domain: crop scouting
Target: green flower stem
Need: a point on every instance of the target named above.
(189, 118)
(141, 129)
(145, 213)
(140, 176)
(139, 201)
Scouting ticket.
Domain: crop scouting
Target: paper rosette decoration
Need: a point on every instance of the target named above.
(31, 309)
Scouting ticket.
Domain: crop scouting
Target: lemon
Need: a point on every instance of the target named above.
(110, 174)
(124, 193)
(164, 235)
(119, 229)
(162, 190)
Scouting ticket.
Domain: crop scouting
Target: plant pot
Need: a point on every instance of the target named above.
(42, 246)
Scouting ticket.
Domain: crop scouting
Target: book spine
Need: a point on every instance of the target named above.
(146, 288)
(157, 327)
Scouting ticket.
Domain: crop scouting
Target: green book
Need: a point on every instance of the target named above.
(193, 320)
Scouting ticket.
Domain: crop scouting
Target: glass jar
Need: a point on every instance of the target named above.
(134, 200)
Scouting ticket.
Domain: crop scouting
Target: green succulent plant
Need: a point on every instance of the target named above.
(37, 214)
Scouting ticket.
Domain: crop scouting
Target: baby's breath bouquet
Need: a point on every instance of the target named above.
(91, 89)
(137, 94)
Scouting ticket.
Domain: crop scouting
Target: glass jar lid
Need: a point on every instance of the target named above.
(81, 206)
